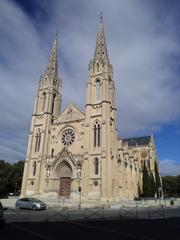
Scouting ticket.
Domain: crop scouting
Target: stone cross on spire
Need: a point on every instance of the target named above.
(101, 53)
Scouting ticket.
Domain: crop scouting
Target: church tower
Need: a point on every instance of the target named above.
(100, 123)
(46, 110)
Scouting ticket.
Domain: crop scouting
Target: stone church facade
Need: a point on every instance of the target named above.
(71, 151)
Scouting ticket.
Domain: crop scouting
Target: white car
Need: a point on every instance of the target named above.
(30, 203)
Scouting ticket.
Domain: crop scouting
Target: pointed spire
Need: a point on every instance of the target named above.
(52, 69)
(101, 53)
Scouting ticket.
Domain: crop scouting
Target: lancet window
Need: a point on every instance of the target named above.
(96, 166)
(98, 90)
(97, 134)
(34, 168)
(53, 103)
(97, 67)
(38, 141)
(43, 101)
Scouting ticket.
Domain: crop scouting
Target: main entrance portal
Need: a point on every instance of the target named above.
(65, 186)
(65, 180)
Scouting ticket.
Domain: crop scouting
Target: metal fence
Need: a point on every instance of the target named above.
(90, 214)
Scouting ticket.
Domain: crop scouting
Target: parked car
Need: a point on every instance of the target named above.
(30, 203)
(1, 215)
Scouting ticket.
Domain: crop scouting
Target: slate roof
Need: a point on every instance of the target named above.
(137, 141)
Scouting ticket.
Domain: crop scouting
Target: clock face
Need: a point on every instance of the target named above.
(68, 137)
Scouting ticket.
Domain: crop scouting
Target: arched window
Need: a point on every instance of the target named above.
(38, 141)
(52, 152)
(99, 129)
(34, 168)
(97, 134)
(97, 67)
(43, 101)
(98, 90)
(53, 103)
(96, 166)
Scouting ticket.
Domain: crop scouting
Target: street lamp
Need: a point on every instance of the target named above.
(80, 190)
(15, 188)
(79, 169)
(159, 194)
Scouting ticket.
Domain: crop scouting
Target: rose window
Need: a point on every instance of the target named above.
(68, 137)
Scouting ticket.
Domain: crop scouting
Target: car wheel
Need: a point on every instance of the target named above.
(34, 208)
(17, 207)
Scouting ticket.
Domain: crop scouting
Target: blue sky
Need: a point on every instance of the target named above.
(143, 40)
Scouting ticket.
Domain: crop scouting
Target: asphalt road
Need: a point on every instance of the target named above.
(132, 229)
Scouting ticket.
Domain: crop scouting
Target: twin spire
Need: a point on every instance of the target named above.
(52, 68)
(100, 55)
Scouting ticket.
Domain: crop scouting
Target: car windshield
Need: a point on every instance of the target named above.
(35, 200)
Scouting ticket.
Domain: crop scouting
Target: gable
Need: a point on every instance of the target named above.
(70, 113)
(64, 154)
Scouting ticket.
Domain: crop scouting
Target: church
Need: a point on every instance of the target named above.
(74, 152)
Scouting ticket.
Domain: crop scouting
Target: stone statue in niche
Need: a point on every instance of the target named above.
(79, 170)
(48, 167)
(48, 171)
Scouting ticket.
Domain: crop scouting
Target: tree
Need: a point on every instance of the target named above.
(16, 177)
(5, 172)
(171, 186)
(157, 180)
(152, 185)
(146, 182)
(139, 191)
(10, 177)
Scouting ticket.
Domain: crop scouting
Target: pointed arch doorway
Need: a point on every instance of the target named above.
(65, 180)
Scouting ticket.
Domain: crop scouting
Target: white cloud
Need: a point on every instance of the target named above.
(169, 167)
(22, 59)
(141, 46)
(141, 50)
